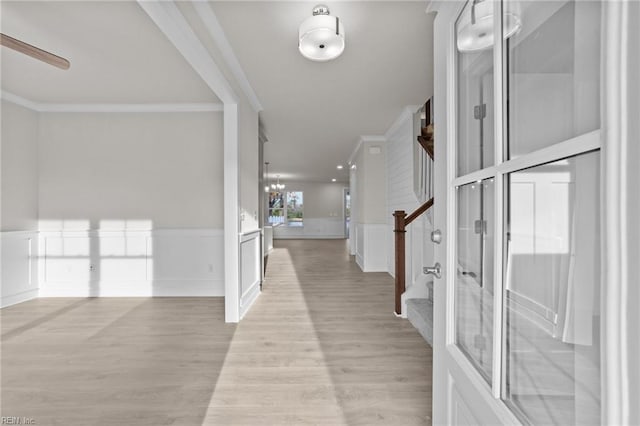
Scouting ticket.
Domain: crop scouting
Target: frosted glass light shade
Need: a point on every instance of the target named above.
(321, 38)
(477, 36)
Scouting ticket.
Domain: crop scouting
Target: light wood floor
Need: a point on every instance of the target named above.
(320, 346)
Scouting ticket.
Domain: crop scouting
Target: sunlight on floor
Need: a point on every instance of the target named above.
(275, 368)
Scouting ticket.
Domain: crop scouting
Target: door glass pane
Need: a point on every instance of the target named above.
(475, 136)
(552, 292)
(474, 274)
(553, 72)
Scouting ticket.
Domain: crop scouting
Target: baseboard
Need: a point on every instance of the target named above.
(248, 299)
(310, 237)
(14, 299)
(168, 288)
(371, 253)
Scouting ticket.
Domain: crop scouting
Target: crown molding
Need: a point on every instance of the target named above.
(169, 19)
(19, 100)
(406, 114)
(114, 108)
(363, 139)
(210, 20)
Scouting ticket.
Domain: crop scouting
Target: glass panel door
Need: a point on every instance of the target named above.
(552, 303)
(553, 74)
(475, 106)
(524, 272)
(474, 274)
(551, 247)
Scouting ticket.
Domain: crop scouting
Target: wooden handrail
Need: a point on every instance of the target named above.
(401, 221)
(423, 208)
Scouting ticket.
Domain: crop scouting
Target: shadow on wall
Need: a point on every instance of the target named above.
(127, 361)
(128, 258)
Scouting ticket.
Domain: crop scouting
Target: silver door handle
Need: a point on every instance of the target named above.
(435, 270)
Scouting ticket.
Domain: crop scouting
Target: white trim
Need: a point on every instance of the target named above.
(231, 215)
(187, 107)
(406, 114)
(577, 145)
(212, 24)
(311, 237)
(451, 220)
(574, 146)
(249, 235)
(175, 27)
(14, 299)
(18, 100)
(483, 389)
(111, 108)
(362, 139)
(190, 232)
(249, 298)
(476, 176)
(498, 119)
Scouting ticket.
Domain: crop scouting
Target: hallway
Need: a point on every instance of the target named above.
(320, 346)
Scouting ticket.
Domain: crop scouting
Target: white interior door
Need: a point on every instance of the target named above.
(517, 153)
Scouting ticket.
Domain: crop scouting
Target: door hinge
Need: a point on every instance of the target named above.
(480, 111)
(480, 226)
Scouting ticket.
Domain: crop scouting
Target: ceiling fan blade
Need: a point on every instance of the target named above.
(34, 52)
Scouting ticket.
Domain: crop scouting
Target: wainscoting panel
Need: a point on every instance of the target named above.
(326, 227)
(18, 267)
(371, 243)
(250, 269)
(132, 263)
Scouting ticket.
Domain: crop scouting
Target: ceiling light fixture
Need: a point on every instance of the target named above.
(321, 37)
(339, 167)
(333, 180)
(476, 26)
(279, 186)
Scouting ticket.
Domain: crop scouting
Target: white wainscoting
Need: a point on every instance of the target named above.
(325, 227)
(18, 267)
(371, 243)
(250, 269)
(131, 263)
(268, 240)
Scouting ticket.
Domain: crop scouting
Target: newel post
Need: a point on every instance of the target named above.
(400, 266)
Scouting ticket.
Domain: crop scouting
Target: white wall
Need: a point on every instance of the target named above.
(249, 167)
(19, 183)
(161, 168)
(111, 204)
(131, 262)
(323, 211)
(18, 204)
(371, 235)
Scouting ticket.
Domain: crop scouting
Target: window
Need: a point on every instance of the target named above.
(276, 207)
(294, 208)
(286, 208)
(526, 208)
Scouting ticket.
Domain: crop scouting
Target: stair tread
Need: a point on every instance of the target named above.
(420, 315)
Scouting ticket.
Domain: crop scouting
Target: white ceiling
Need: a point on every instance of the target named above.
(117, 55)
(315, 112)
